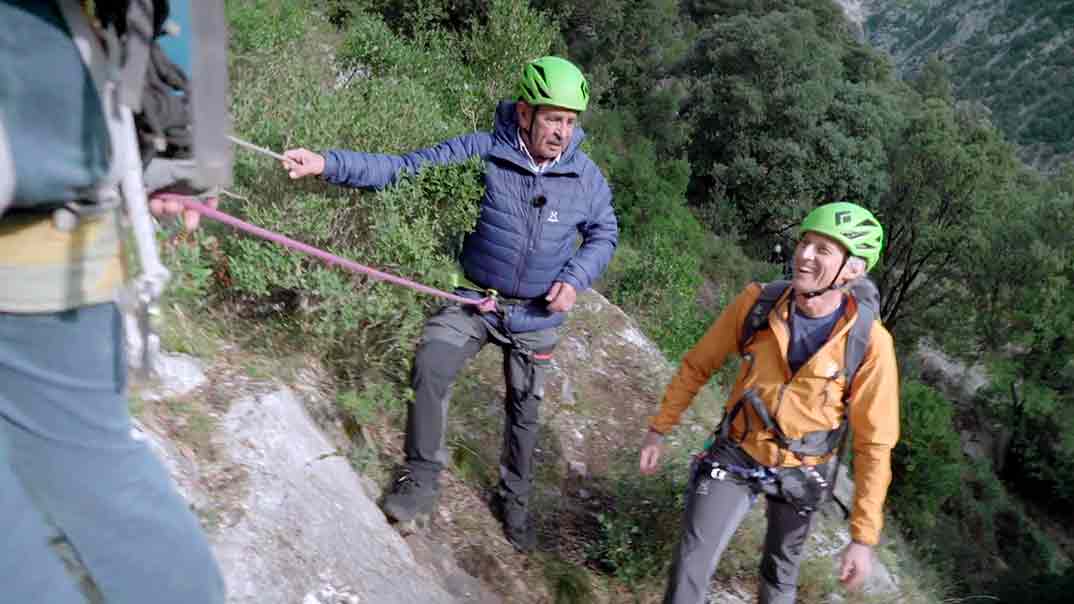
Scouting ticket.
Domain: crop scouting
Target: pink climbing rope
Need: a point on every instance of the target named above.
(485, 304)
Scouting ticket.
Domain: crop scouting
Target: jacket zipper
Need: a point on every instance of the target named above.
(532, 228)
(783, 386)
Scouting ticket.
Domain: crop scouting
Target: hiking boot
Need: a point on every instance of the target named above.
(517, 527)
(410, 497)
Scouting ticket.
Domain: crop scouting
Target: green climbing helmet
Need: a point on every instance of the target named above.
(851, 225)
(554, 81)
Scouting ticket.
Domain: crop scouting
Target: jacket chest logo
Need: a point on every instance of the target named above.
(553, 216)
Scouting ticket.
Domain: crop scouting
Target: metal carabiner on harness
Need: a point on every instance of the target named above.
(491, 297)
(145, 289)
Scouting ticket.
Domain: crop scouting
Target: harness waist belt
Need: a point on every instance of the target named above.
(465, 283)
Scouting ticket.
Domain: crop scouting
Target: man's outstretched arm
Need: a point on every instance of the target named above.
(378, 170)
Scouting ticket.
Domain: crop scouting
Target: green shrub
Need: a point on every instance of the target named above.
(264, 24)
(366, 406)
(511, 34)
(1040, 422)
(927, 463)
(411, 230)
(641, 526)
(191, 267)
(981, 539)
(1041, 588)
(367, 89)
(187, 299)
(569, 584)
(727, 265)
(657, 282)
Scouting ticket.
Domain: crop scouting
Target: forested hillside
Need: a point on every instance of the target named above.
(719, 124)
(1015, 57)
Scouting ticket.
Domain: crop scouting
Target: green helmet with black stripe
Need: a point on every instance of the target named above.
(851, 225)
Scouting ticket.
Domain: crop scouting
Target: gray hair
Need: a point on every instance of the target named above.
(858, 263)
(855, 263)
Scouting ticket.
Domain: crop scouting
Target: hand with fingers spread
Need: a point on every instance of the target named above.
(857, 565)
(165, 205)
(302, 162)
(561, 297)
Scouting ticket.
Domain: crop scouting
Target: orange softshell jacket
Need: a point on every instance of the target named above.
(807, 401)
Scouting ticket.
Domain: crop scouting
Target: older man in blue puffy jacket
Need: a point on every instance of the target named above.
(541, 192)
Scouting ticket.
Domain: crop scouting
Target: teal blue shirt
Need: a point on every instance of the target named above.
(50, 106)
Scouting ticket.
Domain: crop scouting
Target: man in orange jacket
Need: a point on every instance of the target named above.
(787, 412)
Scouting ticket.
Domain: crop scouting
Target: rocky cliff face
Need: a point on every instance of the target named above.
(1017, 57)
(289, 519)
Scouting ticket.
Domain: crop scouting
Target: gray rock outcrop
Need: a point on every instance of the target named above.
(307, 532)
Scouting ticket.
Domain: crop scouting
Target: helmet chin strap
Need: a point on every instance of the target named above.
(831, 286)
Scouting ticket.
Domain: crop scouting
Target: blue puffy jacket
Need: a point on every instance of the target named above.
(526, 236)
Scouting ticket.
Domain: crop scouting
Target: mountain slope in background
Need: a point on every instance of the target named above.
(1015, 56)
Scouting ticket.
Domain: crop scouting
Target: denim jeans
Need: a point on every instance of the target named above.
(68, 463)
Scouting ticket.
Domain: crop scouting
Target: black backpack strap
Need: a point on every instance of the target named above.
(857, 342)
(757, 319)
(867, 296)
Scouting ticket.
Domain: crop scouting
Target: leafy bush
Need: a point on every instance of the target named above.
(1042, 588)
(410, 230)
(187, 298)
(972, 531)
(640, 529)
(264, 24)
(1040, 422)
(375, 92)
(656, 280)
(927, 463)
(569, 584)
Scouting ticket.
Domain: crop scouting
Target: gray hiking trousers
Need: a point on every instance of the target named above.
(452, 337)
(68, 462)
(714, 509)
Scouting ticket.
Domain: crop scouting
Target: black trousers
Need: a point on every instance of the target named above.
(450, 339)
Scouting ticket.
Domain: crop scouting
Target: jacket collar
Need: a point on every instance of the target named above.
(529, 157)
(779, 323)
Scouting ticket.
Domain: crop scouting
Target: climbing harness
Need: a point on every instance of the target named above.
(805, 488)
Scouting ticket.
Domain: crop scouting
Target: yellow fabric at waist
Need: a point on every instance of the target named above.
(43, 269)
